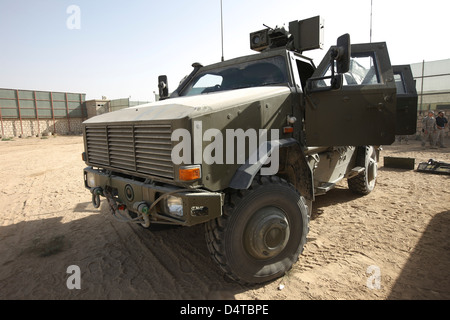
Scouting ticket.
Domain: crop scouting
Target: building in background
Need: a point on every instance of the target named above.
(433, 85)
(96, 107)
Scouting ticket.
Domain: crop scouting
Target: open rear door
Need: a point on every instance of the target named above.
(363, 110)
(406, 122)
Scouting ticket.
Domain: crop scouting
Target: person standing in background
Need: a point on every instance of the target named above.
(441, 125)
(429, 129)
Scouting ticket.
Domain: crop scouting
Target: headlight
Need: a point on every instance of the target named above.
(90, 178)
(174, 206)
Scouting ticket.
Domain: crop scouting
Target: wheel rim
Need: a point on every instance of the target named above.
(372, 167)
(267, 233)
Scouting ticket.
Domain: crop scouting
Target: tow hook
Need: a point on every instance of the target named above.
(96, 193)
(142, 208)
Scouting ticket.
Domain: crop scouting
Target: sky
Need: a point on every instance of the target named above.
(117, 49)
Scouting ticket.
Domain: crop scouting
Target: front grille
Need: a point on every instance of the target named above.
(144, 149)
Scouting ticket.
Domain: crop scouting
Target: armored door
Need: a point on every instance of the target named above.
(363, 110)
(406, 122)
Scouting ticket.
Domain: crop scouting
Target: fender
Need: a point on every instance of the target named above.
(243, 177)
(293, 167)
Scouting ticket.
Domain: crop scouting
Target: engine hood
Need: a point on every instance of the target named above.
(182, 107)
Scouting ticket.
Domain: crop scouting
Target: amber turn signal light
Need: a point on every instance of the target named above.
(288, 129)
(190, 173)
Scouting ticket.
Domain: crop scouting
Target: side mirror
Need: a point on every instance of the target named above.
(342, 54)
(163, 87)
(339, 56)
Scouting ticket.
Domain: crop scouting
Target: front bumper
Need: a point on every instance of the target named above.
(198, 206)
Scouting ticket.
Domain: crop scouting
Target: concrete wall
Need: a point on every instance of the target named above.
(33, 127)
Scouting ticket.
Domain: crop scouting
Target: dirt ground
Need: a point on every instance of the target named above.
(392, 244)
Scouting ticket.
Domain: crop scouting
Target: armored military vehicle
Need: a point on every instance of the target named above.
(245, 145)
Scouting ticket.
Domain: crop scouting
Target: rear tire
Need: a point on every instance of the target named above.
(364, 183)
(261, 233)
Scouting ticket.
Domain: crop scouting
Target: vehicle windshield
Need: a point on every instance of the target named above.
(257, 73)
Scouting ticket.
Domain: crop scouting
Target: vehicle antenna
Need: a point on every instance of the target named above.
(221, 26)
(371, 12)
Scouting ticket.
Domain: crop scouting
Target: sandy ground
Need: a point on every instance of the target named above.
(391, 244)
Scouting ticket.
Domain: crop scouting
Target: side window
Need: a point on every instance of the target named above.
(207, 83)
(305, 72)
(399, 83)
(363, 71)
(407, 100)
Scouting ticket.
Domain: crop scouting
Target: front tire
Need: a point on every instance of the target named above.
(261, 233)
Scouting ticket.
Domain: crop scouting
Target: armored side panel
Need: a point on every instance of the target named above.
(406, 121)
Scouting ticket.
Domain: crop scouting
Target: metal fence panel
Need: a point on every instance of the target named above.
(59, 96)
(42, 95)
(26, 95)
(432, 83)
(27, 109)
(7, 94)
(15, 104)
(27, 105)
